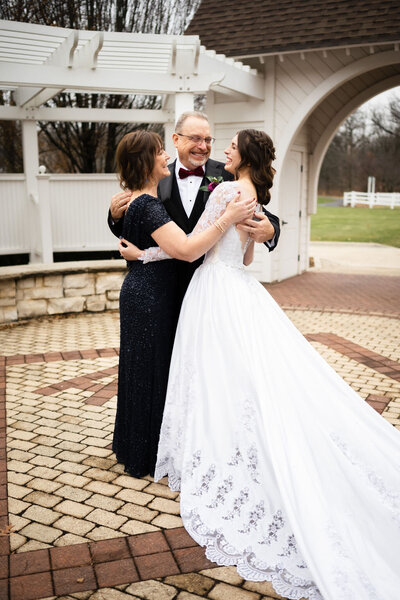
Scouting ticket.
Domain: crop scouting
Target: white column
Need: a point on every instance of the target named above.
(269, 99)
(270, 261)
(39, 216)
(31, 165)
(169, 129)
(45, 216)
(184, 102)
(209, 110)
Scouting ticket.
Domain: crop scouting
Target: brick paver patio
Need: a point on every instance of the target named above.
(364, 294)
(72, 524)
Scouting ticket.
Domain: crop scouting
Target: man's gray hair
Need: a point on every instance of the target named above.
(186, 115)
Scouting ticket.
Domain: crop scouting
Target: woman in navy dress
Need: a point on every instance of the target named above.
(148, 299)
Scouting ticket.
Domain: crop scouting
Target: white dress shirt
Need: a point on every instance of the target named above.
(188, 187)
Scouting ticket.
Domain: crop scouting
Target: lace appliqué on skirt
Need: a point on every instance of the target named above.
(250, 517)
(221, 552)
(390, 498)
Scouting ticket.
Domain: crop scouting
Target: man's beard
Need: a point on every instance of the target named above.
(199, 162)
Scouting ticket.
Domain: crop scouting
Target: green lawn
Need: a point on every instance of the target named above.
(338, 224)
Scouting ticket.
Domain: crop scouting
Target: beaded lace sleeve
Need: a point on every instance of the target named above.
(216, 205)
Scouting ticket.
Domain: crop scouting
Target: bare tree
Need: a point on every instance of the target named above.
(383, 157)
(10, 141)
(368, 143)
(90, 147)
(387, 122)
(340, 168)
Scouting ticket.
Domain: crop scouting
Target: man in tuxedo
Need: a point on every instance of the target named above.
(181, 193)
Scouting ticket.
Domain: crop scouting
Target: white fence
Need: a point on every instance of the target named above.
(371, 199)
(78, 207)
(14, 224)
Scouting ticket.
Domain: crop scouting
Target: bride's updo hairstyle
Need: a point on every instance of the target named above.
(135, 158)
(257, 152)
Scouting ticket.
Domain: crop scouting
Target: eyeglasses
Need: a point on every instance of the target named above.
(196, 139)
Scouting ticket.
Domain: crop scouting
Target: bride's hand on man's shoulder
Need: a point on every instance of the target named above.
(128, 250)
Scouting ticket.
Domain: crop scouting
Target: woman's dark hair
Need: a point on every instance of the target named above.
(135, 157)
(257, 152)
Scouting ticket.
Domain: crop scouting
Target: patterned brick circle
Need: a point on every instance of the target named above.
(63, 477)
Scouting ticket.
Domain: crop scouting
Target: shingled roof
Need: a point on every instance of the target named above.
(245, 28)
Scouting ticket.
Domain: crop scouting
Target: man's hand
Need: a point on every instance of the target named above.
(260, 231)
(119, 204)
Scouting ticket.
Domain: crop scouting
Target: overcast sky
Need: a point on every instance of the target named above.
(381, 100)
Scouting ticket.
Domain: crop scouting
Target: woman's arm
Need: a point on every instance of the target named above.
(249, 255)
(216, 218)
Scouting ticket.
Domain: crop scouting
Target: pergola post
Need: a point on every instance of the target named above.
(169, 129)
(41, 249)
(209, 109)
(183, 102)
(180, 102)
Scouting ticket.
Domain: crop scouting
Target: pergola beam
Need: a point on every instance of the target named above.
(111, 81)
(31, 97)
(121, 63)
(89, 115)
(62, 56)
(87, 55)
(237, 78)
(128, 82)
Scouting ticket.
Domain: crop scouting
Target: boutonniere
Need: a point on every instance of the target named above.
(214, 181)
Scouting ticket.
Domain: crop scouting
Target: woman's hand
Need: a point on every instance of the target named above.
(128, 251)
(119, 203)
(239, 210)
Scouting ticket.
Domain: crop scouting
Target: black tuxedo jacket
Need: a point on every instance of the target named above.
(168, 192)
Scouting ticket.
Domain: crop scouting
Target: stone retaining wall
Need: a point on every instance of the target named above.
(35, 290)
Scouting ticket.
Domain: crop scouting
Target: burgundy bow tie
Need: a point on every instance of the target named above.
(198, 171)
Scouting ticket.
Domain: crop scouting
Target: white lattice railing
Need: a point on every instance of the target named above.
(78, 206)
(371, 199)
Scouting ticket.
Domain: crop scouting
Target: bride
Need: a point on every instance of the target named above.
(284, 471)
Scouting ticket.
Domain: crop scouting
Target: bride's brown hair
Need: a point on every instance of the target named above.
(257, 152)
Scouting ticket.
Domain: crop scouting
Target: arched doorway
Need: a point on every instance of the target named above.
(308, 135)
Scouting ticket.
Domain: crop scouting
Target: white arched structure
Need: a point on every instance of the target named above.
(324, 141)
(308, 95)
(300, 97)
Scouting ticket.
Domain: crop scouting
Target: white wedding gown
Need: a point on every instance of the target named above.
(284, 471)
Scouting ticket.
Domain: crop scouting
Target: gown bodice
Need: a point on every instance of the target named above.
(228, 250)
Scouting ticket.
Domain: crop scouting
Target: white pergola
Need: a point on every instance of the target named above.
(37, 62)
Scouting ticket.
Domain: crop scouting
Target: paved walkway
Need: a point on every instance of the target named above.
(353, 257)
(339, 292)
(74, 525)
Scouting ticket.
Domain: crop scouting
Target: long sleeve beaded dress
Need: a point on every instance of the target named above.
(148, 317)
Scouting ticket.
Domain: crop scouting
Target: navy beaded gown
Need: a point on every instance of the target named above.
(148, 317)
